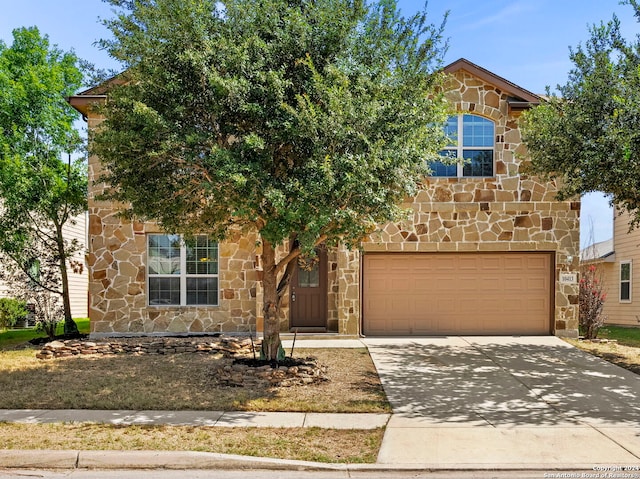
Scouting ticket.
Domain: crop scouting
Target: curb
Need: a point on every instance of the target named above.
(193, 460)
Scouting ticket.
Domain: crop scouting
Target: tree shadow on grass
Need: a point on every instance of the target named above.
(617, 359)
(164, 382)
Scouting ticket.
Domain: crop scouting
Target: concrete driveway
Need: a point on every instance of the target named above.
(505, 402)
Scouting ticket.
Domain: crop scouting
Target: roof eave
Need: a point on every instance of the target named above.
(520, 99)
(517, 105)
(85, 103)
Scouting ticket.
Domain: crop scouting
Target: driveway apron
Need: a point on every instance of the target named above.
(505, 402)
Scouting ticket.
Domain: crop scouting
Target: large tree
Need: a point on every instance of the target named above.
(308, 121)
(588, 133)
(41, 189)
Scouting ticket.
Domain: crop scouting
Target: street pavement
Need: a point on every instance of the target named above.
(459, 403)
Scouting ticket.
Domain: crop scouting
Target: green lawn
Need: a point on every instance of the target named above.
(12, 337)
(624, 335)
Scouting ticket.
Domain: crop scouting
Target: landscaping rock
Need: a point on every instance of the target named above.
(237, 365)
(246, 372)
(170, 345)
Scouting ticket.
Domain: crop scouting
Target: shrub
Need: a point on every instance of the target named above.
(49, 311)
(11, 311)
(592, 298)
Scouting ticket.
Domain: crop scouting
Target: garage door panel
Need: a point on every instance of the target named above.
(400, 284)
(443, 306)
(537, 283)
(515, 263)
(377, 284)
(538, 306)
(515, 284)
(466, 264)
(442, 265)
(490, 264)
(466, 293)
(511, 306)
(377, 263)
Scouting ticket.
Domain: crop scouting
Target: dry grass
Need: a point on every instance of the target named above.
(308, 444)
(627, 357)
(181, 382)
(186, 382)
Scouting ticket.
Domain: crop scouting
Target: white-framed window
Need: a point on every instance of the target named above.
(625, 281)
(473, 140)
(181, 274)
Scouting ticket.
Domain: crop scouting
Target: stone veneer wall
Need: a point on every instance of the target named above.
(117, 278)
(508, 212)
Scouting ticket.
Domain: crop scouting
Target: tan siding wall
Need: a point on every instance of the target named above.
(626, 247)
(78, 280)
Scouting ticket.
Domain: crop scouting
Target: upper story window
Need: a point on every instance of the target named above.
(625, 282)
(181, 274)
(472, 140)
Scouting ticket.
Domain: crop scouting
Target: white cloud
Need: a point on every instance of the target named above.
(511, 11)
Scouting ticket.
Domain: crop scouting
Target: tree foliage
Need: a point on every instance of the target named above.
(306, 121)
(588, 135)
(12, 310)
(39, 192)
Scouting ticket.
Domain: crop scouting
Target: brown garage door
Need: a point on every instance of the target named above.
(457, 293)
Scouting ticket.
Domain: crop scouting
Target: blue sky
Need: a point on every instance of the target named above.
(525, 41)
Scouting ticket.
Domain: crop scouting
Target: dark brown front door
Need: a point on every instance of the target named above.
(308, 294)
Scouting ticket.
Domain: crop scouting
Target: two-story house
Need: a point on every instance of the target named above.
(482, 253)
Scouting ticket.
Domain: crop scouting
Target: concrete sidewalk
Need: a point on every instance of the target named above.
(197, 418)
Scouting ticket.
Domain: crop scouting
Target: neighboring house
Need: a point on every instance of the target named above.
(78, 275)
(618, 263)
(482, 254)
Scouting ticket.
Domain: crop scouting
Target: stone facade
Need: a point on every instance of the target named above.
(118, 303)
(509, 211)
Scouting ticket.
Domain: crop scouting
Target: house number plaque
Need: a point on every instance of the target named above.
(568, 278)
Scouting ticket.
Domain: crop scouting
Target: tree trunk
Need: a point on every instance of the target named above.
(271, 308)
(70, 326)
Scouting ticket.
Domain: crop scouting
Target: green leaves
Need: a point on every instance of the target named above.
(300, 118)
(39, 192)
(588, 135)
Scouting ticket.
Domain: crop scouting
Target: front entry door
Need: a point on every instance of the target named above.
(308, 294)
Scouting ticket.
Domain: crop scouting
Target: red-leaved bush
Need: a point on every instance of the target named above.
(592, 298)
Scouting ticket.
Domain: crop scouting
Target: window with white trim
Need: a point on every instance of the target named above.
(180, 273)
(473, 140)
(625, 281)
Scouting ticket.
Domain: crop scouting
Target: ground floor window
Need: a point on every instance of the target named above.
(182, 273)
(625, 281)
